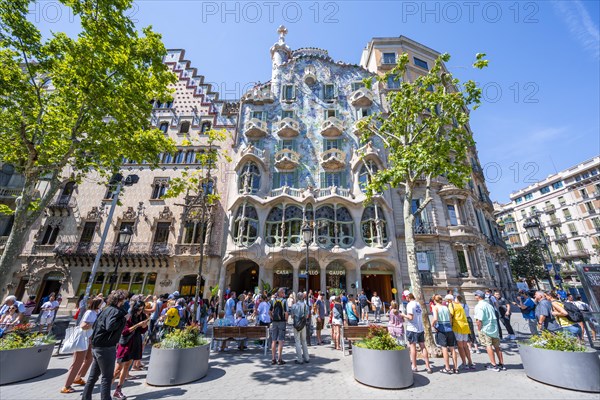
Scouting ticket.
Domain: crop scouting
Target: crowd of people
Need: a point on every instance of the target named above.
(117, 328)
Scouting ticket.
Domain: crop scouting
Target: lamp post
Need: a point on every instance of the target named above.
(533, 227)
(125, 235)
(307, 235)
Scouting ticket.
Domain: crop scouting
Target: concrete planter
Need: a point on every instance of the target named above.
(565, 369)
(387, 369)
(170, 367)
(21, 364)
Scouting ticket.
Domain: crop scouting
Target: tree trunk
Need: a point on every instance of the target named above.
(413, 271)
(24, 219)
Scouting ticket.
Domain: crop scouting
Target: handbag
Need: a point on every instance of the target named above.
(76, 340)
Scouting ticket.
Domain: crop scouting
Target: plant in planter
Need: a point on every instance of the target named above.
(380, 361)
(27, 353)
(541, 352)
(181, 357)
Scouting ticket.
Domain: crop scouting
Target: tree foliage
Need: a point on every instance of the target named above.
(424, 130)
(528, 262)
(69, 106)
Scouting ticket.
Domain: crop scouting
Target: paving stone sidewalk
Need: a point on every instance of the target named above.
(250, 375)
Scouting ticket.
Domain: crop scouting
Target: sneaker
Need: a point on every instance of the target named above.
(472, 367)
(464, 367)
(119, 395)
(491, 367)
(273, 362)
(512, 337)
(502, 367)
(281, 362)
(298, 362)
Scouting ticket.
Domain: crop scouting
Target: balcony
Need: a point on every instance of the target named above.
(426, 278)
(63, 205)
(332, 127)
(286, 159)
(577, 253)
(362, 97)
(425, 228)
(549, 208)
(333, 159)
(289, 191)
(553, 222)
(592, 211)
(259, 96)
(562, 238)
(310, 75)
(334, 191)
(477, 169)
(134, 249)
(255, 129)
(9, 192)
(596, 194)
(287, 128)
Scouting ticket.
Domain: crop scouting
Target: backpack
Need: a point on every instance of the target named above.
(300, 323)
(575, 314)
(278, 310)
(172, 317)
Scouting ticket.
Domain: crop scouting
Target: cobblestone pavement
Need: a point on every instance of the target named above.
(250, 375)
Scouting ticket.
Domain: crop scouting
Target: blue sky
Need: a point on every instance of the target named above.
(541, 99)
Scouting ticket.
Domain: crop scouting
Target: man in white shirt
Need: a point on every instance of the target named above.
(8, 302)
(415, 332)
(376, 302)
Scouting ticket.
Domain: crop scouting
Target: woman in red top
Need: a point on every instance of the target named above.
(130, 344)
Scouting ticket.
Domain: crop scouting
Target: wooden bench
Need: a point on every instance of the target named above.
(353, 333)
(240, 333)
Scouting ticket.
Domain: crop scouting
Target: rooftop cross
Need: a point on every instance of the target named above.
(282, 30)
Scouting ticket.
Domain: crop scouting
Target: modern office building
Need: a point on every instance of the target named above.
(568, 206)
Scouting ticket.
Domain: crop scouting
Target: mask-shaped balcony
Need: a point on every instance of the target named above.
(286, 159)
(310, 75)
(332, 127)
(333, 159)
(288, 128)
(362, 97)
(255, 128)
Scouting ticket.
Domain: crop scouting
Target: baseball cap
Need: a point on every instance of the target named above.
(479, 293)
(449, 297)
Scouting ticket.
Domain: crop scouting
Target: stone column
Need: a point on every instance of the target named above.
(467, 260)
(323, 278)
(296, 279)
(457, 212)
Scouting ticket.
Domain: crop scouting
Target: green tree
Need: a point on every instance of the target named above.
(424, 132)
(528, 262)
(69, 106)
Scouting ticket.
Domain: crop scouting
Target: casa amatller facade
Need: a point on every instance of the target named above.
(296, 160)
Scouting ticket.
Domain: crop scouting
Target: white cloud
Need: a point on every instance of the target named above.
(580, 24)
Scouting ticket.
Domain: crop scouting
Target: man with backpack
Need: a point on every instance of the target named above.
(279, 316)
(300, 316)
(543, 313)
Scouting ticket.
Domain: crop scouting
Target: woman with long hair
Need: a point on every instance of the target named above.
(442, 323)
(83, 359)
(337, 320)
(130, 345)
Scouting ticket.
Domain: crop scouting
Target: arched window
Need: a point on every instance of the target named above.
(334, 227)
(245, 225)
(184, 127)
(366, 173)
(205, 127)
(373, 226)
(284, 226)
(164, 126)
(274, 229)
(249, 179)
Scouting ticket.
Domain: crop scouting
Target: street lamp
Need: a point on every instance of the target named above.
(533, 227)
(125, 235)
(307, 235)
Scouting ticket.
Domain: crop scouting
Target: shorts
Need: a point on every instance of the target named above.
(46, 320)
(461, 337)
(319, 324)
(336, 321)
(415, 337)
(278, 331)
(352, 322)
(445, 339)
(487, 340)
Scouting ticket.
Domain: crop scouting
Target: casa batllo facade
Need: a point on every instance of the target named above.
(164, 252)
(299, 161)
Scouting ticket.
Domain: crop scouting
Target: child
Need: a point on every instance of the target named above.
(396, 323)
